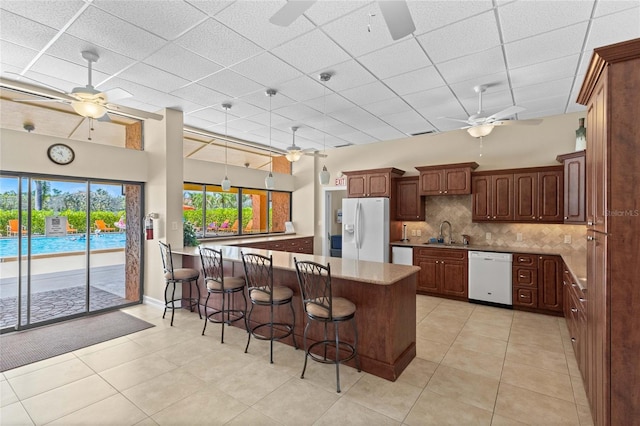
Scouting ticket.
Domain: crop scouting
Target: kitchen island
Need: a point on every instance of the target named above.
(384, 295)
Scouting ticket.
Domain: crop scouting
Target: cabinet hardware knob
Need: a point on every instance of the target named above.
(539, 217)
(437, 261)
(582, 299)
(443, 262)
(573, 340)
(445, 192)
(522, 295)
(590, 223)
(521, 276)
(488, 217)
(533, 217)
(566, 217)
(540, 257)
(494, 217)
(590, 238)
(574, 310)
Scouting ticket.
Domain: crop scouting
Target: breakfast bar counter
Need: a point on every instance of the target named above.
(384, 295)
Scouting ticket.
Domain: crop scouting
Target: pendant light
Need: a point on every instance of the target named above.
(269, 181)
(324, 175)
(226, 183)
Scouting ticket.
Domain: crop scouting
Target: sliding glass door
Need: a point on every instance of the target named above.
(71, 247)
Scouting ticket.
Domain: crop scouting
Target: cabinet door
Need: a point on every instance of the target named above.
(525, 277)
(356, 186)
(550, 198)
(481, 198)
(526, 196)
(428, 275)
(431, 182)
(457, 181)
(502, 197)
(525, 296)
(409, 204)
(550, 283)
(597, 158)
(574, 190)
(379, 185)
(454, 278)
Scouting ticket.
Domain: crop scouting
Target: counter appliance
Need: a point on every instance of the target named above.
(490, 277)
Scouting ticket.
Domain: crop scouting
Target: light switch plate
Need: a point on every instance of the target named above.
(413, 232)
(519, 236)
(488, 235)
(419, 232)
(567, 239)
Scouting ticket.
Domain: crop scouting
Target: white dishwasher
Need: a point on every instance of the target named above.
(490, 277)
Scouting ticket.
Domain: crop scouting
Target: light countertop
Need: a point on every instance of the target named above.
(354, 270)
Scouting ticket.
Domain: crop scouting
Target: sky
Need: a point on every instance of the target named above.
(11, 184)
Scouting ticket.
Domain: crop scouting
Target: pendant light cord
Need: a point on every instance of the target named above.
(226, 134)
(270, 154)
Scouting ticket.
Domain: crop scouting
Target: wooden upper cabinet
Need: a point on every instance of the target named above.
(371, 183)
(448, 179)
(492, 197)
(409, 204)
(574, 186)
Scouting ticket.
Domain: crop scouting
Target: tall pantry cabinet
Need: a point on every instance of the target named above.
(611, 92)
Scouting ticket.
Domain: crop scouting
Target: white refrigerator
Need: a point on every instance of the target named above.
(365, 229)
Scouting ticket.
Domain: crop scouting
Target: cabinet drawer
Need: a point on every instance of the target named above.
(525, 277)
(530, 260)
(452, 254)
(525, 296)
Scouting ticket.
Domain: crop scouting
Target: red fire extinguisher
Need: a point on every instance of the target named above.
(148, 226)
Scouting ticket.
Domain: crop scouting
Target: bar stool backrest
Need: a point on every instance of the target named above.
(167, 258)
(258, 271)
(315, 287)
(212, 265)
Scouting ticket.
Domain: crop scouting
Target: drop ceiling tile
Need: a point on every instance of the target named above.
(332, 102)
(166, 18)
(436, 113)
(266, 69)
(177, 103)
(230, 83)
(102, 29)
(351, 32)
(468, 67)
(243, 109)
(275, 119)
(311, 52)
(608, 7)
(260, 99)
(545, 47)
(387, 106)
(303, 88)
(358, 118)
(200, 95)
(182, 62)
(70, 49)
(211, 8)
(298, 112)
(385, 133)
(244, 125)
(152, 77)
(24, 32)
(431, 15)
(211, 114)
(415, 81)
(34, 77)
(17, 56)
(53, 13)
(251, 18)
(430, 98)
(614, 28)
(407, 122)
(328, 10)
(336, 128)
(476, 34)
(348, 75)
(205, 40)
(496, 82)
(544, 71)
(492, 101)
(68, 71)
(522, 19)
(544, 106)
(369, 93)
(396, 59)
(543, 90)
(357, 138)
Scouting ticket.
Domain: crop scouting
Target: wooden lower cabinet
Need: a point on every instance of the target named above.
(443, 272)
(537, 283)
(575, 312)
(291, 245)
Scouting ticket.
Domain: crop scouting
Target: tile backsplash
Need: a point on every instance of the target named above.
(457, 210)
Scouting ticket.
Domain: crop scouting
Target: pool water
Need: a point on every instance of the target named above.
(70, 243)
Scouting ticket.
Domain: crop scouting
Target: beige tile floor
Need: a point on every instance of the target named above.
(475, 365)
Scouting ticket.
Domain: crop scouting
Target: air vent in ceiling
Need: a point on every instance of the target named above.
(428, 132)
(342, 146)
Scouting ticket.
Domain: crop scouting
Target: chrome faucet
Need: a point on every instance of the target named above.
(450, 232)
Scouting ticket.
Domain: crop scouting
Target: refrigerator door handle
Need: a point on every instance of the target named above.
(357, 223)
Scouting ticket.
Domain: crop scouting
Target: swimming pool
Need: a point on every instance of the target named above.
(70, 243)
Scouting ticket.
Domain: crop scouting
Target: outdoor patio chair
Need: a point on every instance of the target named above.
(12, 228)
(103, 226)
(71, 229)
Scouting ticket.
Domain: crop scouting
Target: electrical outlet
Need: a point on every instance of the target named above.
(488, 236)
(413, 232)
(519, 236)
(567, 239)
(174, 226)
(419, 232)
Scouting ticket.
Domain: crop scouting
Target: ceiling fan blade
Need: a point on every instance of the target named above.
(531, 122)
(133, 112)
(507, 112)
(49, 92)
(105, 118)
(290, 12)
(455, 119)
(398, 18)
(117, 94)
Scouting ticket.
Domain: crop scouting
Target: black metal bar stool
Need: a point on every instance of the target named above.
(320, 305)
(226, 287)
(174, 276)
(258, 271)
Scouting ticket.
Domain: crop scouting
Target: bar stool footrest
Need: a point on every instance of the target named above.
(350, 349)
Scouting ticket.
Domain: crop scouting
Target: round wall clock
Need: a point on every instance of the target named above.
(60, 153)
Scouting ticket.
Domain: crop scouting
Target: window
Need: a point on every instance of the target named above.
(240, 211)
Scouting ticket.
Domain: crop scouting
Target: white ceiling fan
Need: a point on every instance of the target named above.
(396, 14)
(86, 101)
(480, 124)
(294, 152)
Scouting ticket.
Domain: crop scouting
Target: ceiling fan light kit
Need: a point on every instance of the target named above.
(293, 152)
(481, 130)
